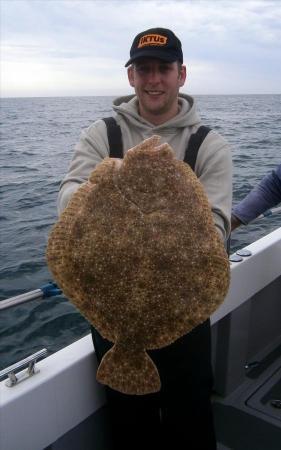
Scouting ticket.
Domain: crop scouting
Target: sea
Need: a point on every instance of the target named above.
(38, 136)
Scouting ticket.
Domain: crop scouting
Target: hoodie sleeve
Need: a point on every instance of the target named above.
(90, 151)
(263, 197)
(214, 170)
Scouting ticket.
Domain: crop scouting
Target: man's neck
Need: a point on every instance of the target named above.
(159, 119)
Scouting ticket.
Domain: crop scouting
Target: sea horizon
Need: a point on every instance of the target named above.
(124, 94)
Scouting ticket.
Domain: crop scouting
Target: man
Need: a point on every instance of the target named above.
(180, 415)
(261, 198)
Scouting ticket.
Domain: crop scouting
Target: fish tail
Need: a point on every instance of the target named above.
(129, 372)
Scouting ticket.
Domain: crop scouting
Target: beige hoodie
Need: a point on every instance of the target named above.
(213, 166)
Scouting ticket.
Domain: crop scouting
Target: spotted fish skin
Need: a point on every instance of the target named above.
(137, 252)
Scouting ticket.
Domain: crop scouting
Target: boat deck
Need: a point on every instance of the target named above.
(245, 420)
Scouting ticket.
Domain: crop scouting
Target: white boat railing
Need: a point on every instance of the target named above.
(12, 371)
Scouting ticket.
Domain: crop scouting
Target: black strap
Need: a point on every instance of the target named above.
(194, 143)
(116, 144)
(114, 137)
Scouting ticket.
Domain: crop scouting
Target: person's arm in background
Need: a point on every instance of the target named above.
(263, 197)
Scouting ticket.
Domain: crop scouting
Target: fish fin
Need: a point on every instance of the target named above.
(129, 372)
(58, 239)
(104, 170)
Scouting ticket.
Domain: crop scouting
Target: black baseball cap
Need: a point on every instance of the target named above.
(158, 43)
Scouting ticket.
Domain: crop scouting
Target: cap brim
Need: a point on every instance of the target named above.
(157, 55)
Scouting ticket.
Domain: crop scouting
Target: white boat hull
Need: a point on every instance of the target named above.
(39, 411)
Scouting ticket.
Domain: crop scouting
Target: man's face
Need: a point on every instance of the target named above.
(157, 84)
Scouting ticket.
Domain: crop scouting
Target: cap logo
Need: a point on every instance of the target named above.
(152, 39)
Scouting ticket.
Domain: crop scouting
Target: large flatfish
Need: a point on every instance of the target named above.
(136, 250)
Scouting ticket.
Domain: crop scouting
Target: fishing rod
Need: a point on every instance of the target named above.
(47, 290)
(269, 212)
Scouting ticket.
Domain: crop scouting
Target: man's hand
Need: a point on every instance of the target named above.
(235, 222)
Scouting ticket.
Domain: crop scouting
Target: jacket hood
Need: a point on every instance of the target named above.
(127, 106)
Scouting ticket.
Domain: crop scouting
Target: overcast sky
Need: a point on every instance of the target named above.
(79, 47)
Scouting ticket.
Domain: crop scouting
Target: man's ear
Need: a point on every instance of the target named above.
(182, 76)
(131, 78)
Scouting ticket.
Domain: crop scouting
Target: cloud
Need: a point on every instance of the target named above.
(56, 44)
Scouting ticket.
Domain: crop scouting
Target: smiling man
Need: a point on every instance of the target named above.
(180, 415)
(157, 85)
(156, 72)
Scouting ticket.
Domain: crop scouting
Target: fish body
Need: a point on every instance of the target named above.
(137, 252)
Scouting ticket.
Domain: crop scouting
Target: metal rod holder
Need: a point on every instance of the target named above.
(14, 373)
